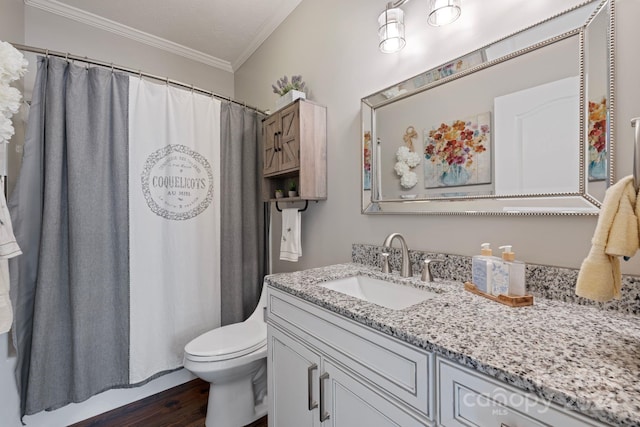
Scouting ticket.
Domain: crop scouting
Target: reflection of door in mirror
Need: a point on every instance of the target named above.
(537, 139)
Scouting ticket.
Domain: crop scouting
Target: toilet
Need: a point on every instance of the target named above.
(233, 359)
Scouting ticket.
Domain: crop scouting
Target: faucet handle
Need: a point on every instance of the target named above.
(384, 260)
(427, 276)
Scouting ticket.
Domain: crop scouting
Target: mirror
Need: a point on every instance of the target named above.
(524, 137)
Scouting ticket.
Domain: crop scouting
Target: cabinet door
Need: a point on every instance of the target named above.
(289, 140)
(345, 401)
(271, 130)
(293, 382)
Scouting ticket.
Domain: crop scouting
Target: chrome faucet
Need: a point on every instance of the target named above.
(405, 270)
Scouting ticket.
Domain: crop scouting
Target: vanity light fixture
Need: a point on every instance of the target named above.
(391, 29)
(443, 12)
(391, 21)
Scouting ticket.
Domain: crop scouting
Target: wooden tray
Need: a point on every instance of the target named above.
(511, 301)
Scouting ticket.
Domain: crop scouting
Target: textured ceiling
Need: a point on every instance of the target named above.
(229, 30)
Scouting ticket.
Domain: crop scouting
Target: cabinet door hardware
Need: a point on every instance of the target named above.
(324, 415)
(312, 403)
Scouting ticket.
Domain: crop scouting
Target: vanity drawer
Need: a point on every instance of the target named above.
(388, 364)
(467, 398)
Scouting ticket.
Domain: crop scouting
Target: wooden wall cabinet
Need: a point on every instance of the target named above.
(295, 150)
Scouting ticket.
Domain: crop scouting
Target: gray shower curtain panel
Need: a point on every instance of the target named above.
(70, 211)
(242, 233)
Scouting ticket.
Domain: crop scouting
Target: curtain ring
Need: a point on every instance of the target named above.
(112, 67)
(191, 88)
(140, 74)
(167, 81)
(46, 53)
(66, 57)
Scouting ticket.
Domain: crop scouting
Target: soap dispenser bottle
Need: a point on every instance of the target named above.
(481, 268)
(500, 276)
(516, 272)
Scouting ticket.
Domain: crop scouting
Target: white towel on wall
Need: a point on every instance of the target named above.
(8, 249)
(291, 243)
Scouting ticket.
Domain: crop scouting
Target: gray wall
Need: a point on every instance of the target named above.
(12, 21)
(333, 44)
(47, 30)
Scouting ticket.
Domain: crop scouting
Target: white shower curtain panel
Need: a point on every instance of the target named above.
(174, 236)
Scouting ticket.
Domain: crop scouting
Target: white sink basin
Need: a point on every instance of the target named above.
(381, 292)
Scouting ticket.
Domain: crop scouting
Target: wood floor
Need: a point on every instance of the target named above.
(181, 406)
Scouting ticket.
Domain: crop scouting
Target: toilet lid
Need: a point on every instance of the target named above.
(229, 341)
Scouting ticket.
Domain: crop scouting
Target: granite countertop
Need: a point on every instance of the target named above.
(582, 358)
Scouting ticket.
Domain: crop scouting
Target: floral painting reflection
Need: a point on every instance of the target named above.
(597, 138)
(459, 153)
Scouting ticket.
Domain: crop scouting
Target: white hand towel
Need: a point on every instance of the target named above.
(8, 249)
(290, 243)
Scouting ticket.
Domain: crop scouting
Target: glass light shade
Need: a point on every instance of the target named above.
(391, 30)
(443, 12)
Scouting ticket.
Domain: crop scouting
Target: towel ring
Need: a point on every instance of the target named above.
(306, 205)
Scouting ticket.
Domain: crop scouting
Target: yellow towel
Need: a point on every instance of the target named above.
(616, 235)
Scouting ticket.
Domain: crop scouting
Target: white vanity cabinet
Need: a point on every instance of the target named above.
(325, 370)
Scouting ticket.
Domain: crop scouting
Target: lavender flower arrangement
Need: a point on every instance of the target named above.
(283, 85)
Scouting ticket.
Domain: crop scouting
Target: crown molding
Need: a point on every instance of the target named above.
(96, 21)
(265, 32)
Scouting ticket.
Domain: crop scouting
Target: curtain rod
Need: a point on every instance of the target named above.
(167, 80)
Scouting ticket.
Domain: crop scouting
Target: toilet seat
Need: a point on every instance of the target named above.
(228, 342)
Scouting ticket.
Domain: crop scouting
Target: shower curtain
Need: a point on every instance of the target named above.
(243, 213)
(69, 209)
(117, 208)
(174, 195)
